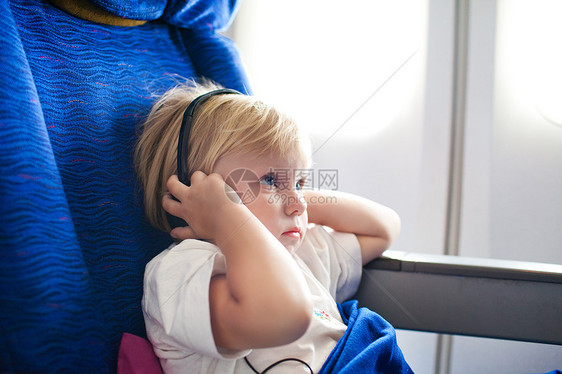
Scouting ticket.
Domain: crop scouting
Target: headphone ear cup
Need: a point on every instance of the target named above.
(175, 221)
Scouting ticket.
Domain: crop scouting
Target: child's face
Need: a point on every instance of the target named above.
(268, 186)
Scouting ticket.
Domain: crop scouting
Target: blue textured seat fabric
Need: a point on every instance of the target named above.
(73, 237)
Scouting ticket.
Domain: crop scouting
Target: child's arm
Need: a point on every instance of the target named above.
(375, 225)
(262, 300)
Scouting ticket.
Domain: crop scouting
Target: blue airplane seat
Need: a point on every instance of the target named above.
(73, 237)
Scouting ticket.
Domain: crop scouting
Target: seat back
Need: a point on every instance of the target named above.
(74, 240)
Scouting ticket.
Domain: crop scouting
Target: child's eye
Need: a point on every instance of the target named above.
(269, 180)
(300, 184)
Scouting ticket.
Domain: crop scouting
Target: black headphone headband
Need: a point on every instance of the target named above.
(185, 130)
(183, 141)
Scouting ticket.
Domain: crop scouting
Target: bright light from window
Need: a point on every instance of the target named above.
(530, 34)
(322, 61)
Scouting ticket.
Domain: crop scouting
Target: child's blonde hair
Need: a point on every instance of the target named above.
(223, 125)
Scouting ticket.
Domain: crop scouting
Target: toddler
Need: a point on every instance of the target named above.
(251, 284)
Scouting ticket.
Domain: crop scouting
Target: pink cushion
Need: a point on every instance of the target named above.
(137, 357)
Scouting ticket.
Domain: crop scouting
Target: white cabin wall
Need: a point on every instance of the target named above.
(512, 205)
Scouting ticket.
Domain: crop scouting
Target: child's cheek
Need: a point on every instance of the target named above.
(304, 221)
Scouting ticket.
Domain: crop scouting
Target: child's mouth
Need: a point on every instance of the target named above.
(293, 233)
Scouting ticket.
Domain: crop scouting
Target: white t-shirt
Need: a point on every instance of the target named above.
(177, 317)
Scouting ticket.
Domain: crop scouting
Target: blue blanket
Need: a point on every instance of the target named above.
(368, 345)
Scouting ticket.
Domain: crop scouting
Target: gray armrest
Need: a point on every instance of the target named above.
(466, 296)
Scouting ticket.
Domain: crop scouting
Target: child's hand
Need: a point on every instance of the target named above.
(199, 205)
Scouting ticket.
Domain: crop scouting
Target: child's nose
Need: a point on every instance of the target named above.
(295, 202)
